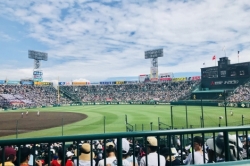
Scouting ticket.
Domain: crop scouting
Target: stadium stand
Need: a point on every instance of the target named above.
(240, 94)
(29, 96)
(165, 92)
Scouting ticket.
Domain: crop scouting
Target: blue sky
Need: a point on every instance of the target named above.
(98, 40)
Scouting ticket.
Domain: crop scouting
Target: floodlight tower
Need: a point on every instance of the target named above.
(38, 57)
(153, 55)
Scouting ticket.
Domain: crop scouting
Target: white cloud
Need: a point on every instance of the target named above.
(109, 40)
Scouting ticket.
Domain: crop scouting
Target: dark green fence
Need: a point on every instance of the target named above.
(164, 137)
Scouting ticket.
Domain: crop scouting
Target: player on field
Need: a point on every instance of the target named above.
(38, 113)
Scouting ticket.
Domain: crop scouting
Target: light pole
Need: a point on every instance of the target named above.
(171, 114)
(225, 106)
(220, 117)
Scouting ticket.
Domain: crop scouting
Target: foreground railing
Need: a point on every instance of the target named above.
(164, 137)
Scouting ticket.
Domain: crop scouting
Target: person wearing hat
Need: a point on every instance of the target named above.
(57, 160)
(198, 153)
(10, 156)
(152, 155)
(219, 147)
(125, 154)
(110, 150)
(98, 153)
(85, 155)
(167, 153)
(245, 145)
(69, 161)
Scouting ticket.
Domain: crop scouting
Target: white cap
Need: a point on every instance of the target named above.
(69, 154)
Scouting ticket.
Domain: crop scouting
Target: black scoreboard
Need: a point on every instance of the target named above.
(225, 75)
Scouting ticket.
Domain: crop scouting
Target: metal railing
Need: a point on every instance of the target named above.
(169, 134)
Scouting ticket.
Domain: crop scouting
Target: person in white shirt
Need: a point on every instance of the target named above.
(110, 150)
(125, 152)
(152, 156)
(85, 156)
(198, 153)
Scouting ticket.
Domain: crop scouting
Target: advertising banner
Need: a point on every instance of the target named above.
(27, 82)
(94, 83)
(80, 83)
(179, 79)
(61, 83)
(196, 77)
(13, 82)
(2, 81)
(154, 74)
(130, 82)
(144, 78)
(43, 83)
(165, 76)
(38, 76)
(119, 82)
(105, 83)
(68, 83)
(38, 80)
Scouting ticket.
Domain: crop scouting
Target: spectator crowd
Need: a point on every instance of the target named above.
(29, 96)
(151, 152)
(240, 94)
(166, 92)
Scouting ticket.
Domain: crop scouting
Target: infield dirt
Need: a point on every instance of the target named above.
(10, 122)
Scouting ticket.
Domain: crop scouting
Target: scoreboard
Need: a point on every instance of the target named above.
(225, 75)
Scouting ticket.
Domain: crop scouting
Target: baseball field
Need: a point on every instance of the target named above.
(74, 120)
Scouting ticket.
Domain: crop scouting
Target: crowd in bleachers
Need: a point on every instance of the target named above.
(240, 94)
(133, 153)
(29, 96)
(166, 92)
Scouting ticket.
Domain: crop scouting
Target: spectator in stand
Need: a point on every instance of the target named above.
(235, 150)
(25, 156)
(169, 156)
(111, 156)
(57, 159)
(69, 161)
(198, 152)
(85, 155)
(125, 152)
(152, 155)
(10, 156)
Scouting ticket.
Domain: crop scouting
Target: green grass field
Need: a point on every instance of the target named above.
(137, 115)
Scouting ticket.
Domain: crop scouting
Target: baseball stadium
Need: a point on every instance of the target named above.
(219, 97)
(124, 83)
